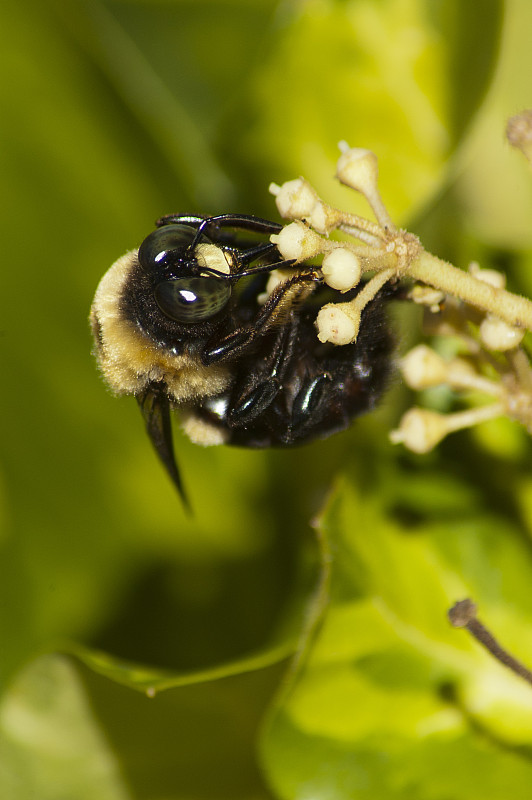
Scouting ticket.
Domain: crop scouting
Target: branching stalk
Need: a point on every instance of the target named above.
(512, 308)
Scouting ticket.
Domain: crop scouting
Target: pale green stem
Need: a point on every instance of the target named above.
(369, 238)
(512, 308)
(372, 287)
(476, 383)
(373, 255)
(520, 364)
(353, 222)
(379, 209)
(473, 416)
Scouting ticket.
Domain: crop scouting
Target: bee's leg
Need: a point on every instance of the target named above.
(223, 229)
(244, 222)
(292, 291)
(183, 219)
(257, 389)
(340, 383)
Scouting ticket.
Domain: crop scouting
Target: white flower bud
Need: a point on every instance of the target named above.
(491, 276)
(460, 371)
(336, 326)
(420, 430)
(357, 168)
(341, 269)
(276, 277)
(298, 241)
(426, 296)
(294, 199)
(498, 335)
(423, 368)
(324, 219)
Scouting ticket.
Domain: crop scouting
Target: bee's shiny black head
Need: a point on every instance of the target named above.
(188, 273)
(169, 247)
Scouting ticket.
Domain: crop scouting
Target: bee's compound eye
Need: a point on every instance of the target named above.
(192, 299)
(170, 240)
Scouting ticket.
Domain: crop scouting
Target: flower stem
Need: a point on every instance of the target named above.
(473, 416)
(512, 308)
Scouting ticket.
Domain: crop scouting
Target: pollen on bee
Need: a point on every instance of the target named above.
(201, 432)
(213, 257)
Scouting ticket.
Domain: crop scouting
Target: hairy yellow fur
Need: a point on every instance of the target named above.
(130, 360)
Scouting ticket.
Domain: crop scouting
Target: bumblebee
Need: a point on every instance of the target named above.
(185, 322)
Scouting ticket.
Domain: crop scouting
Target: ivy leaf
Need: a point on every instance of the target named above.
(389, 695)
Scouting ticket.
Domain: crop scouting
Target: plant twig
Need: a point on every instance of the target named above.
(464, 615)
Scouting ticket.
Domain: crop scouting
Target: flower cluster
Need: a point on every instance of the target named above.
(492, 365)
(472, 305)
(381, 248)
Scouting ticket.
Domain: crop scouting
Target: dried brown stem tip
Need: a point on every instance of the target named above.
(464, 615)
(519, 132)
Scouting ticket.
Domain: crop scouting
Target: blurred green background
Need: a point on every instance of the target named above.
(112, 114)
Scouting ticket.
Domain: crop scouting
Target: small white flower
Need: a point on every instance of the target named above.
(498, 335)
(341, 269)
(420, 430)
(298, 241)
(336, 325)
(423, 368)
(294, 199)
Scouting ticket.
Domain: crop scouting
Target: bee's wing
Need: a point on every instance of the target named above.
(155, 409)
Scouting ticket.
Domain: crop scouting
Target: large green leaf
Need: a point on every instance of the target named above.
(391, 701)
(67, 732)
(50, 742)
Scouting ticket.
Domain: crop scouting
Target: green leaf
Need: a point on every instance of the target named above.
(151, 681)
(390, 694)
(401, 77)
(50, 743)
(67, 732)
